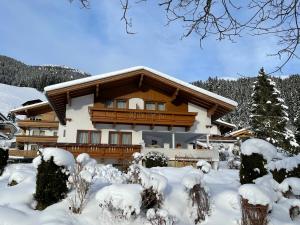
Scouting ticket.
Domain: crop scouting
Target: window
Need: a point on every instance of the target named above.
(150, 106)
(95, 137)
(55, 133)
(42, 133)
(161, 106)
(121, 104)
(82, 137)
(35, 132)
(88, 137)
(109, 103)
(120, 138)
(34, 147)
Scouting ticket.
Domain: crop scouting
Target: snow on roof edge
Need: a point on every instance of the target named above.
(131, 69)
(29, 106)
(225, 123)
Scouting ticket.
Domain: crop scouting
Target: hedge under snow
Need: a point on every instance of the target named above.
(262, 147)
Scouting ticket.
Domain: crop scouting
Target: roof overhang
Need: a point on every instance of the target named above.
(59, 95)
(33, 110)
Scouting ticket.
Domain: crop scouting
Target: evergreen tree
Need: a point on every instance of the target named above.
(269, 117)
(297, 125)
(51, 184)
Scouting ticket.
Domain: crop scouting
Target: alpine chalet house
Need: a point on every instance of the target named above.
(38, 128)
(113, 115)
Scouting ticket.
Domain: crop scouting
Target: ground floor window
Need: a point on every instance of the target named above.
(88, 137)
(120, 138)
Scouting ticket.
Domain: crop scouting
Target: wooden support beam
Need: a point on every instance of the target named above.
(97, 90)
(141, 80)
(212, 110)
(68, 98)
(174, 96)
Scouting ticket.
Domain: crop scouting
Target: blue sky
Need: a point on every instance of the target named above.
(94, 40)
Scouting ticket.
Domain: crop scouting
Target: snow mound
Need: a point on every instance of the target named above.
(153, 180)
(109, 174)
(204, 166)
(60, 156)
(288, 163)
(255, 195)
(267, 150)
(123, 197)
(192, 178)
(292, 184)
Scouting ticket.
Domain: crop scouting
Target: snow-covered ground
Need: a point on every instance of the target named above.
(12, 96)
(16, 202)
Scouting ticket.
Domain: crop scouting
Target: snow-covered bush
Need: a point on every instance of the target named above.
(255, 203)
(204, 166)
(154, 159)
(153, 185)
(123, 200)
(234, 163)
(3, 159)
(287, 167)
(159, 217)
(53, 168)
(255, 153)
(290, 187)
(198, 195)
(80, 180)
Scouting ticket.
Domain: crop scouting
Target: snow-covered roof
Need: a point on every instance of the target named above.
(22, 108)
(132, 69)
(225, 123)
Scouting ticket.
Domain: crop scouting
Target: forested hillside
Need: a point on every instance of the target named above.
(16, 73)
(240, 90)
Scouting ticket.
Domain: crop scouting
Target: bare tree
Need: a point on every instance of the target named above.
(230, 19)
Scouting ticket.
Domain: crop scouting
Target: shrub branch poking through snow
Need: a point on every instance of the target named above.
(53, 168)
(198, 194)
(3, 159)
(204, 166)
(155, 159)
(123, 200)
(80, 180)
(159, 217)
(153, 184)
(255, 153)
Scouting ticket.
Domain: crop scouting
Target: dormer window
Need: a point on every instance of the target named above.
(161, 106)
(150, 106)
(109, 103)
(121, 104)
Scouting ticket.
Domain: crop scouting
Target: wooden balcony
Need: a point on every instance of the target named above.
(100, 151)
(35, 139)
(38, 124)
(142, 117)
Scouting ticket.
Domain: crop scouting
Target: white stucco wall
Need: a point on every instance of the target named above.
(202, 120)
(215, 130)
(78, 113)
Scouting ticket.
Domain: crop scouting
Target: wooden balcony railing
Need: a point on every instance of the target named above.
(36, 139)
(142, 117)
(23, 153)
(100, 151)
(38, 124)
(103, 151)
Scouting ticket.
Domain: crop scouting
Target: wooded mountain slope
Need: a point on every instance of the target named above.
(14, 72)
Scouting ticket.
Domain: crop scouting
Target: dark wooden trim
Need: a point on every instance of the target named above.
(120, 133)
(89, 135)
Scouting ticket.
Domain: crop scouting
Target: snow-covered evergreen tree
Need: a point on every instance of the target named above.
(297, 125)
(268, 114)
